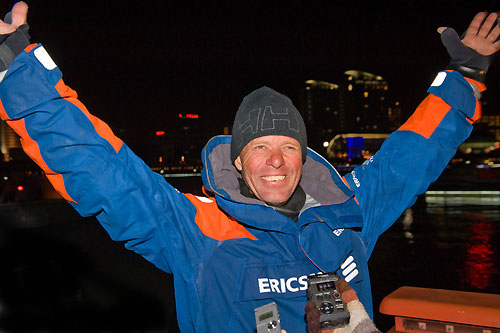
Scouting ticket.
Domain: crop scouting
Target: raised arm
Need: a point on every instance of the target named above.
(415, 155)
(86, 163)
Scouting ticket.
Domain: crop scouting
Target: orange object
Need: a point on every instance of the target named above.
(31, 148)
(437, 310)
(100, 126)
(427, 116)
(214, 223)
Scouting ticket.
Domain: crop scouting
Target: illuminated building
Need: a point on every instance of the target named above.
(175, 147)
(321, 111)
(361, 103)
(10, 146)
(490, 125)
(368, 105)
(322, 103)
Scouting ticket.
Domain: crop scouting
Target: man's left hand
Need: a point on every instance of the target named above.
(473, 54)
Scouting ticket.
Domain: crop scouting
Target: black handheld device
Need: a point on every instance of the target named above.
(322, 290)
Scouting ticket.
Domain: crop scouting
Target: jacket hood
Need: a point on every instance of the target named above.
(320, 180)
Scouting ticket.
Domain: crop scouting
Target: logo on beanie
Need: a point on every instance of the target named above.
(251, 124)
(279, 120)
(267, 120)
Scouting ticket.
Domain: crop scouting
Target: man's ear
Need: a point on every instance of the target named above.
(237, 163)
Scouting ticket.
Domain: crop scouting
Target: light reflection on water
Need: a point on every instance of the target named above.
(407, 221)
(476, 255)
(463, 198)
(479, 264)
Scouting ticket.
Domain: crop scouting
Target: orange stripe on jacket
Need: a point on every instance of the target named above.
(345, 182)
(30, 47)
(214, 223)
(3, 113)
(33, 151)
(427, 116)
(100, 126)
(481, 86)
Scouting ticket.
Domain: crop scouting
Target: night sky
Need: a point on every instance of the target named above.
(138, 64)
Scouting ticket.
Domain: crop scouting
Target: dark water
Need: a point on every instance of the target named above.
(436, 246)
(59, 271)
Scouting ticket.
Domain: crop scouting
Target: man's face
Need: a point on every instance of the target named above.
(271, 166)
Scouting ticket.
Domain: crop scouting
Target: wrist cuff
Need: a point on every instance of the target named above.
(13, 44)
(470, 72)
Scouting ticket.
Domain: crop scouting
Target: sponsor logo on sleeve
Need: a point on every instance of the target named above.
(338, 232)
(348, 269)
(354, 179)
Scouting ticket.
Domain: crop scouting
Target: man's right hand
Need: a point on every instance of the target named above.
(19, 15)
(14, 36)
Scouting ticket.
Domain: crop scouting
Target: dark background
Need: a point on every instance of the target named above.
(138, 64)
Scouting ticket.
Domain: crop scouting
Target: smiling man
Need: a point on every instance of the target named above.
(268, 147)
(275, 210)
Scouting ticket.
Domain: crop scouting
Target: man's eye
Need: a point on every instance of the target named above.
(260, 147)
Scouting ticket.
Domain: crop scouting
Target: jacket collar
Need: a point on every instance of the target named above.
(319, 180)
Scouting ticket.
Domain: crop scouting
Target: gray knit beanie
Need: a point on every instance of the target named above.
(266, 112)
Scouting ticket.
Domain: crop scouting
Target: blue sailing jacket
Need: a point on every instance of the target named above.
(228, 253)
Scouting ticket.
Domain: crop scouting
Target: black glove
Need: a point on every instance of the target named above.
(12, 44)
(464, 59)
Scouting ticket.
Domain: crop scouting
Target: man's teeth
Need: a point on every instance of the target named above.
(273, 178)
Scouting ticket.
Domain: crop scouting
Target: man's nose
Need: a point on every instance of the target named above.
(276, 158)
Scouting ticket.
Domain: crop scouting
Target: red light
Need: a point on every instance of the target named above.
(189, 115)
(480, 256)
(20, 188)
(160, 133)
